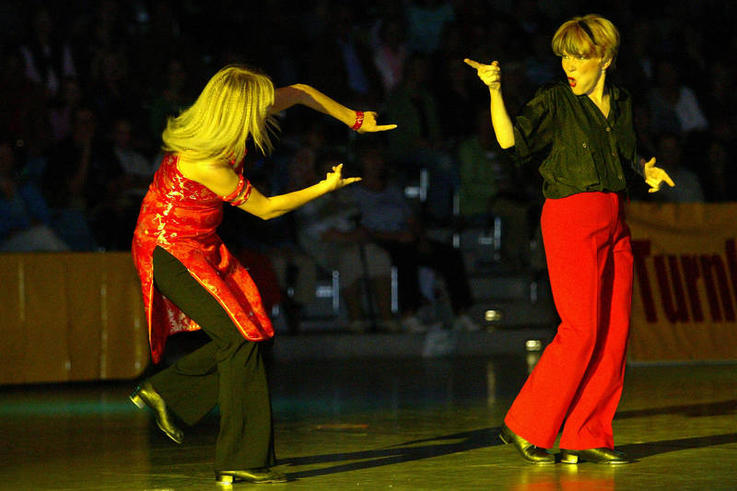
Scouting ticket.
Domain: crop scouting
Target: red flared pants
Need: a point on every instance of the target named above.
(578, 381)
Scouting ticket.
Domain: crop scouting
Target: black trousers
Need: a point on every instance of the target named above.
(229, 371)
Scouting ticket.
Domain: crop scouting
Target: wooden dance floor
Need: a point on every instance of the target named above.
(376, 424)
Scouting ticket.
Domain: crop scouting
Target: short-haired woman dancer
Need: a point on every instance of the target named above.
(582, 131)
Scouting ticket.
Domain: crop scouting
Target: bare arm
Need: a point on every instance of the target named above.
(500, 120)
(286, 97)
(222, 180)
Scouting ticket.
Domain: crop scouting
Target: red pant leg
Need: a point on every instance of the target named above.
(579, 234)
(589, 422)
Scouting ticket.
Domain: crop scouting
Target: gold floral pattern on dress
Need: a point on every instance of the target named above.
(181, 216)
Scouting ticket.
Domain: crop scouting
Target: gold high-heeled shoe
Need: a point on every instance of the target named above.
(596, 455)
(146, 395)
(529, 452)
(262, 475)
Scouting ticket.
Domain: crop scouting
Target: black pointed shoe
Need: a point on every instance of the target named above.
(596, 455)
(146, 395)
(529, 452)
(262, 475)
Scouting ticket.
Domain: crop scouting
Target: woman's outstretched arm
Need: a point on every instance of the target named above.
(222, 180)
(286, 97)
(271, 207)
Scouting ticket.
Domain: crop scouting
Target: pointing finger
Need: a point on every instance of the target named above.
(472, 63)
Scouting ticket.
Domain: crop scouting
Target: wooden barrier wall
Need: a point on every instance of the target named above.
(70, 317)
(79, 316)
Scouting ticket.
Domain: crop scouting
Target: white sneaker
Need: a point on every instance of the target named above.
(414, 325)
(464, 323)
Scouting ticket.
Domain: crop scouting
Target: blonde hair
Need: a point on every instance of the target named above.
(232, 107)
(589, 35)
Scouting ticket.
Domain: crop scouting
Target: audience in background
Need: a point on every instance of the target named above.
(24, 217)
(391, 223)
(490, 188)
(328, 231)
(85, 93)
(674, 106)
(75, 181)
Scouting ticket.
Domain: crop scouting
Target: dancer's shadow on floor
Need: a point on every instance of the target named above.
(720, 408)
(404, 452)
(488, 437)
(461, 442)
(639, 451)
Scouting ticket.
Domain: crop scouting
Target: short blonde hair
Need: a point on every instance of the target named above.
(590, 35)
(232, 107)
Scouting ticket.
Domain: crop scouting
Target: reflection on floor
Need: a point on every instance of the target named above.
(377, 424)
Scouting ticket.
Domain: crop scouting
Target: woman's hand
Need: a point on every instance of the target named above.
(286, 97)
(489, 74)
(655, 176)
(334, 179)
(369, 124)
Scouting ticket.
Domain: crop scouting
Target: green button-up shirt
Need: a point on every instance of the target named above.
(580, 149)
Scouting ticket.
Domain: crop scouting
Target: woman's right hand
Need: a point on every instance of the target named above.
(334, 179)
(489, 74)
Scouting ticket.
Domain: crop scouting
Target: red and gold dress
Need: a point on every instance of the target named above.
(181, 216)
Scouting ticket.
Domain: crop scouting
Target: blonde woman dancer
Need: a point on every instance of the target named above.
(189, 278)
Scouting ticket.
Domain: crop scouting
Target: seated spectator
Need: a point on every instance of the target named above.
(294, 267)
(417, 143)
(391, 53)
(670, 157)
(24, 216)
(487, 191)
(388, 219)
(61, 113)
(136, 168)
(540, 67)
(76, 180)
(172, 98)
(674, 106)
(22, 101)
(457, 100)
(341, 62)
(721, 174)
(111, 90)
(328, 232)
(125, 173)
(425, 20)
(48, 59)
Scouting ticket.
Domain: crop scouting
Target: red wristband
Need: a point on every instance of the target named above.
(359, 120)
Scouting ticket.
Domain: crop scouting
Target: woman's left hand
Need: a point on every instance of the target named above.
(334, 179)
(370, 125)
(655, 176)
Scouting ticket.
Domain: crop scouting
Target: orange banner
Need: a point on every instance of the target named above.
(685, 291)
